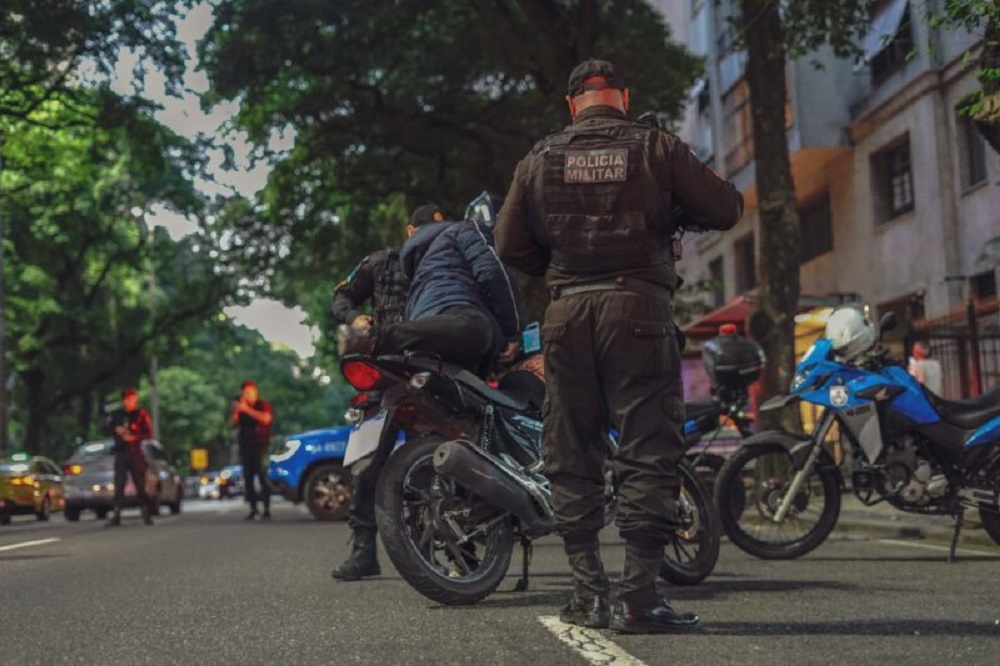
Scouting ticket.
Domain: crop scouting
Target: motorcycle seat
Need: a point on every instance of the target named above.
(474, 383)
(967, 414)
(698, 409)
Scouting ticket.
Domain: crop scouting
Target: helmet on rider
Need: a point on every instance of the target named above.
(850, 332)
(484, 209)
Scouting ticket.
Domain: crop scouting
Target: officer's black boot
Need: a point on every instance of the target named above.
(364, 557)
(116, 518)
(639, 609)
(588, 606)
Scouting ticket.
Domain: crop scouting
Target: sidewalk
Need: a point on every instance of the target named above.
(884, 520)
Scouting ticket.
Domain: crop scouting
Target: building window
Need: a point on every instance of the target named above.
(739, 127)
(717, 286)
(984, 286)
(817, 228)
(892, 181)
(746, 264)
(972, 152)
(894, 51)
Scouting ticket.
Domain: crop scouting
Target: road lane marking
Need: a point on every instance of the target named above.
(25, 544)
(943, 549)
(589, 643)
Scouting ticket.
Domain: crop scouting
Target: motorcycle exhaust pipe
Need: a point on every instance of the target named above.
(478, 473)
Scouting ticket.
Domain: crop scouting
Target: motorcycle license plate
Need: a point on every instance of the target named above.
(364, 439)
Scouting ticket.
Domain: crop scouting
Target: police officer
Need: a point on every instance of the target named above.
(253, 418)
(380, 280)
(590, 208)
(131, 426)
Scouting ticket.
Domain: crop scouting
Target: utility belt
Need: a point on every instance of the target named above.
(620, 283)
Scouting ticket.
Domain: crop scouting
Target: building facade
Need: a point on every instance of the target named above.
(896, 189)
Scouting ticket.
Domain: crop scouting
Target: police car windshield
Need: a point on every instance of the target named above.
(94, 450)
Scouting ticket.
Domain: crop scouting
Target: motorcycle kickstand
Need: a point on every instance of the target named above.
(526, 551)
(958, 530)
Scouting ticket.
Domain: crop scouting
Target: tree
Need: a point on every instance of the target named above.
(78, 306)
(773, 31)
(396, 104)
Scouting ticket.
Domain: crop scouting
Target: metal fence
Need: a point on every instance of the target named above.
(953, 344)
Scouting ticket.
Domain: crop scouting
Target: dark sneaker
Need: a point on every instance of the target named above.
(593, 613)
(662, 618)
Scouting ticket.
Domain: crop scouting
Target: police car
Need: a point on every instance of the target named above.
(310, 469)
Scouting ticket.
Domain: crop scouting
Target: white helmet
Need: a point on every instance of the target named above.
(850, 332)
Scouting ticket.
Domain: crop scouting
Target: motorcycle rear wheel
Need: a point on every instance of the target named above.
(409, 499)
(694, 551)
(751, 486)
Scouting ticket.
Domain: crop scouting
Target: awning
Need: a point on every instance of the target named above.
(884, 27)
(738, 310)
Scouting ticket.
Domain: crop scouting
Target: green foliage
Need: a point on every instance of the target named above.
(198, 389)
(79, 313)
(396, 104)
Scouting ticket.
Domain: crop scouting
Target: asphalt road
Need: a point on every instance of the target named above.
(207, 587)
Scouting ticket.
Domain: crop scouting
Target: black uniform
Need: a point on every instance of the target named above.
(129, 458)
(379, 278)
(590, 207)
(254, 438)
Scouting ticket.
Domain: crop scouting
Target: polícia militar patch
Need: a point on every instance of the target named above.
(609, 165)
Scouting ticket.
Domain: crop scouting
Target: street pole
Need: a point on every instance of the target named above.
(154, 390)
(4, 444)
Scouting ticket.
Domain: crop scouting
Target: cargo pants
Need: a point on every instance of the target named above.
(612, 359)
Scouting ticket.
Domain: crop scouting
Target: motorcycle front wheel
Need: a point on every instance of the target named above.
(693, 553)
(752, 486)
(416, 510)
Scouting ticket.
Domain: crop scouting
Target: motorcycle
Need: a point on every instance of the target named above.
(469, 479)
(732, 364)
(779, 495)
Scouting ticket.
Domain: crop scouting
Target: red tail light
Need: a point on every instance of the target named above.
(72, 470)
(359, 399)
(361, 376)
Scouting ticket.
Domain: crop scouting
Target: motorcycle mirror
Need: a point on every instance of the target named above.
(887, 322)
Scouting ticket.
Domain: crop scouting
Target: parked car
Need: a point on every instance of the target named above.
(230, 481)
(208, 486)
(89, 477)
(30, 485)
(309, 469)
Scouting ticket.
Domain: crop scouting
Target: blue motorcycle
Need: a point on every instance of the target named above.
(779, 495)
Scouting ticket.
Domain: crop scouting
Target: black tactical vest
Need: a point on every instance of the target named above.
(597, 202)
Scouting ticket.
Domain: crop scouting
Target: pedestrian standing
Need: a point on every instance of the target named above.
(591, 207)
(130, 426)
(925, 369)
(253, 417)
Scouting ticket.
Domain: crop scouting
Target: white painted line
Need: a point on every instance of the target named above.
(40, 542)
(943, 549)
(589, 643)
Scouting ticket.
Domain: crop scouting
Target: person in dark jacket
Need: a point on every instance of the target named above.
(591, 207)
(253, 417)
(464, 304)
(380, 280)
(131, 426)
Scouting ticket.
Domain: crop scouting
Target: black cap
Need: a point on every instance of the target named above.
(603, 73)
(426, 214)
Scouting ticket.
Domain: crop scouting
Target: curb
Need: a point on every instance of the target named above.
(972, 531)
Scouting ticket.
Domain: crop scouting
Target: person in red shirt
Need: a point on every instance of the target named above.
(131, 426)
(253, 417)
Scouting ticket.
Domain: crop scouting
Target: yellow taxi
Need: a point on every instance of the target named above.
(30, 484)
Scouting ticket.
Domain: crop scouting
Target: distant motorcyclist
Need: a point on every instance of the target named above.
(131, 426)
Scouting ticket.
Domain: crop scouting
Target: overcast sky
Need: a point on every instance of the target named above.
(276, 322)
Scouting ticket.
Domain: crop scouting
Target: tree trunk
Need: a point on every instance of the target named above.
(34, 384)
(779, 232)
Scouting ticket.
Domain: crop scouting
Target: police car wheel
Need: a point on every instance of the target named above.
(328, 492)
